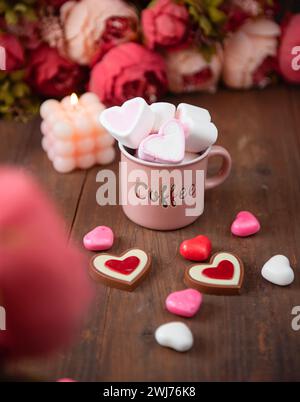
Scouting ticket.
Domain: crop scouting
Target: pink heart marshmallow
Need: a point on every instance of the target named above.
(168, 146)
(99, 239)
(185, 303)
(245, 224)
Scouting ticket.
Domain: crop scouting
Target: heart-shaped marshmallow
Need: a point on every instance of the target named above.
(129, 123)
(163, 112)
(168, 146)
(224, 274)
(201, 132)
(185, 303)
(123, 272)
(196, 249)
(175, 335)
(278, 270)
(245, 224)
(99, 239)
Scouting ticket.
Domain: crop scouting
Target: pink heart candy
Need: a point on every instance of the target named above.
(185, 303)
(99, 239)
(245, 224)
(168, 146)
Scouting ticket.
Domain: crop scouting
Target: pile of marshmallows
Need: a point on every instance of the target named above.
(160, 133)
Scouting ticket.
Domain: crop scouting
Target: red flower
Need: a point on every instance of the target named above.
(117, 30)
(57, 3)
(52, 75)
(127, 71)
(289, 50)
(14, 54)
(165, 24)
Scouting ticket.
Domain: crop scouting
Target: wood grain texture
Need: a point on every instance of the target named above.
(247, 337)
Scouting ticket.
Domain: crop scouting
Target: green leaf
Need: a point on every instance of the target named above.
(20, 8)
(215, 3)
(31, 15)
(3, 6)
(217, 16)
(4, 109)
(205, 24)
(17, 75)
(11, 17)
(20, 89)
(3, 75)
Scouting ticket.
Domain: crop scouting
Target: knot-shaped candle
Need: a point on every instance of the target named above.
(73, 136)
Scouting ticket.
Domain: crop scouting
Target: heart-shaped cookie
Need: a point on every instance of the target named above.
(124, 272)
(245, 224)
(129, 123)
(224, 274)
(168, 146)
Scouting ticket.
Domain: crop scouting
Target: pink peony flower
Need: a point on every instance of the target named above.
(92, 27)
(188, 71)
(289, 50)
(250, 54)
(52, 75)
(127, 71)
(165, 24)
(14, 54)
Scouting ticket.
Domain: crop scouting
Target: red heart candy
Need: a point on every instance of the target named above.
(196, 249)
(124, 267)
(224, 270)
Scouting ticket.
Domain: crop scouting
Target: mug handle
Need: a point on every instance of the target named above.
(223, 173)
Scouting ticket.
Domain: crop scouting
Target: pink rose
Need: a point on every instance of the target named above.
(92, 27)
(238, 11)
(165, 24)
(250, 54)
(14, 54)
(52, 75)
(188, 71)
(289, 50)
(127, 71)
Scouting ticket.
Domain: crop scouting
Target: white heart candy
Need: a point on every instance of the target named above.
(175, 335)
(201, 132)
(278, 270)
(163, 112)
(129, 123)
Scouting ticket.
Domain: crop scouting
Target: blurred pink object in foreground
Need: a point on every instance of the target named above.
(188, 71)
(289, 51)
(44, 286)
(250, 55)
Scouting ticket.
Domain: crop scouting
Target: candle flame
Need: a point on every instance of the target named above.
(74, 99)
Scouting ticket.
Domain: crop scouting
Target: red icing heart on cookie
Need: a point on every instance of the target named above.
(123, 272)
(224, 270)
(196, 249)
(224, 274)
(125, 267)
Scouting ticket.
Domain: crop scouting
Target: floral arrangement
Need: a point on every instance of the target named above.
(122, 49)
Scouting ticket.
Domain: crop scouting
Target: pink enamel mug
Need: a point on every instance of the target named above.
(167, 196)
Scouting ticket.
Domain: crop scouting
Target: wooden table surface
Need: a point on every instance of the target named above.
(246, 337)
